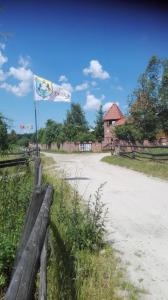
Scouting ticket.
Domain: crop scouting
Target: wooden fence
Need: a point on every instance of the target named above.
(22, 160)
(142, 152)
(32, 249)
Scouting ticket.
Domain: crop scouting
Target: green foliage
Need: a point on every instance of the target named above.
(12, 138)
(129, 133)
(84, 225)
(143, 108)
(99, 125)
(75, 122)
(23, 142)
(54, 133)
(3, 134)
(163, 99)
(85, 137)
(42, 136)
(14, 198)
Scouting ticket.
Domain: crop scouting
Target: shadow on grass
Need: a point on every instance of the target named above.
(65, 266)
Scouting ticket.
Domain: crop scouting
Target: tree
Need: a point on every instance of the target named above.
(75, 122)
(163, 99)
(99, 128)
(12, 137)
(54, 133)
(143, 107)
(42, 136)
(129, 133)
(3, 134)
(85, 137)
(24, 141)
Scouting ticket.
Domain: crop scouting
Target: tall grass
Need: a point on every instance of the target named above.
(81, 265)
(148, 167)
(15, 191)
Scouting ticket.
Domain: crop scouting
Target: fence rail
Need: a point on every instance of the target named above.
(136, 152)
(13, 162)
(31, 253)
(22, 160)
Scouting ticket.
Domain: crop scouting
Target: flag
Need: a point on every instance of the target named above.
(47, 90)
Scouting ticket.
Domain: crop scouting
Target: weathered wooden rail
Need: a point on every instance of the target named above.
(22, 160)
(32, 250)
(13, 162)
(138, 151)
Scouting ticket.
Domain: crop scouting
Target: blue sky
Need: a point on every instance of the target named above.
(97, 51)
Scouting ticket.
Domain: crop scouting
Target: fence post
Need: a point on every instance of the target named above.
(43, 271)
(22, 284)
(32, 213)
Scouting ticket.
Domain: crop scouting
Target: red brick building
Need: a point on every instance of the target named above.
(113, 117)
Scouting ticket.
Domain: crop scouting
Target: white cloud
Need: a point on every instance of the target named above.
(63, 78)
(92, 103)
(3, 59)
(107, 105)
(19, 90)
(24, 61)
(3, 75)
(67, 86)
(21, 73)
(94, 83)
(82, 86)
(119, 88)
(95, 69)
(24, 76)
(2, 46)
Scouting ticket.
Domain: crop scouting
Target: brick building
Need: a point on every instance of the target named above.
(113, 117)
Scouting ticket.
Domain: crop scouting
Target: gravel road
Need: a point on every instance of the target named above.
(137, 219)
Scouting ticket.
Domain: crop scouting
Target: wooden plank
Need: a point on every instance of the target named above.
(43, 271)
(22, 284)
(36, 170)
(31, 216)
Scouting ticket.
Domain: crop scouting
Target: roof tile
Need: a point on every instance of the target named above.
(114, 113)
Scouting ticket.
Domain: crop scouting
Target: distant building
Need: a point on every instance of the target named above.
(113, 117)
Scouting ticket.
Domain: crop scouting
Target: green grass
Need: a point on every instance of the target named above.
(81, 265)
(148, 167)
(15, 193)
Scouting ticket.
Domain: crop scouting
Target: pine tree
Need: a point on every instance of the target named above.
(75, 122)
(99, 128)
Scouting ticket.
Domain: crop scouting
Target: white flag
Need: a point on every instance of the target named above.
(47, 90)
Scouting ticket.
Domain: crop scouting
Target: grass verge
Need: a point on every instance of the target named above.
(81, 265)
(15, 192)
(148, 167)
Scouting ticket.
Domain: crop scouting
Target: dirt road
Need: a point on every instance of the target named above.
(137, 219)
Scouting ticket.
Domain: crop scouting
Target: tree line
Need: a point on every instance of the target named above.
(75, 128)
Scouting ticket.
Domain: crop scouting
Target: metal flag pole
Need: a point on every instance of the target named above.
(35, 114)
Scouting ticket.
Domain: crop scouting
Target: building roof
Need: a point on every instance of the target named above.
(114, 113)
(120, 122)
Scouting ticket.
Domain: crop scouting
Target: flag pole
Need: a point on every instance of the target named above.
(36, 134)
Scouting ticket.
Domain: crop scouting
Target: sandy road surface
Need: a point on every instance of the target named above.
(137, 218)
